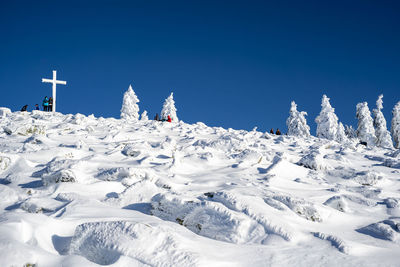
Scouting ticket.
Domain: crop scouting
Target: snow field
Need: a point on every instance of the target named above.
(83, 191)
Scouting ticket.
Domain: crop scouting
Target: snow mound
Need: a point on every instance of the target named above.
(62, 176)
(392, 163)
(314, 160)
(121, 173)
(387, 230)
(335, 241)
(130, 151)
(105, 242)
(300, 207)
(368, 177)
(4, 112)
(209, 219)
(337, 202)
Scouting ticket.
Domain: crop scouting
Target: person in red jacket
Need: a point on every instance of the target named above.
(169, 119)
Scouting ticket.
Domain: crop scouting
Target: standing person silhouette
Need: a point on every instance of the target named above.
(50, 104)
(45, 104)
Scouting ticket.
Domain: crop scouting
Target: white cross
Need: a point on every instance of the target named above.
(54, 82)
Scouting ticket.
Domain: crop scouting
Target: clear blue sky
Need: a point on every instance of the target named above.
(229, 63)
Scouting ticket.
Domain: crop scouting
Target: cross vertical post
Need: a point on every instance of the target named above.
(54, 82)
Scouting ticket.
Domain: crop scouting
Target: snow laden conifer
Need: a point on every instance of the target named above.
(365, 129)
(396, 125)
(130, 108)
(327, 121)
(297, 123)
(350, 131)
(383, 138)
(169, 109)
(341, 134)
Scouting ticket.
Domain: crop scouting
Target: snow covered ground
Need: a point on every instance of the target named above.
(86, 191)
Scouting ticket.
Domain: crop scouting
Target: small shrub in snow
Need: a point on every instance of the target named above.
(300, 207)
(62, 176)
(338, 203)
(383, 138)
(130, 151)
(368, 177)
(297, 123)
(314, 160)
(169, 109)
(130, 108)
(4, 162)
(396, 125)
(365, 129)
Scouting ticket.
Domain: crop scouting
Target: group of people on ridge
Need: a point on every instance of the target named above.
(277, 131)
(157, 118)
(47, 105)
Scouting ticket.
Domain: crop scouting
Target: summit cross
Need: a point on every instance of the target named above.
(54, 82)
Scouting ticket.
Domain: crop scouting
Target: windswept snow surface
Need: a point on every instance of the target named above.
(86, 191)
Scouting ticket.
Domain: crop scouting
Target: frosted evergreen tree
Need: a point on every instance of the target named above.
(350, 131)
(383, 138)
(396, 125)
(130, 108)
(341, 134)
(365, 129)
(169, 109)
(144, 116)
(327, 121)
(297, 123)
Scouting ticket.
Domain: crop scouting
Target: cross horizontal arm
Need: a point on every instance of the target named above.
(61, 82)
(47, 81)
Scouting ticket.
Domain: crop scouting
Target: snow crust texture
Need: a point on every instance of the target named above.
(84, 191)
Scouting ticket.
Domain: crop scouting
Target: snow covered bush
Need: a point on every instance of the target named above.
(327, 121)
(169, 109)
(62, 176)
(130, 108)
(297, 123)
(383, 138)
(4, 112)
(144, 116)
(396, 125)
(365, 129)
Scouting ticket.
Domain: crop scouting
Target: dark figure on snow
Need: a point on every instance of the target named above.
(37, 107)
(278, 132)
(24, 108)
(46, 103)
(169, 119)
(271, 131)
(156, 118)
(50, 104)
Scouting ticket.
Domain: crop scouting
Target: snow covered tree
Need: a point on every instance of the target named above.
(169, 109)
(130, 108)
(365, 129)
(396, 125)
(297, 123)
(350, 132)
(383, 138)
(341, 135)
(144, 116)
(327, 121)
